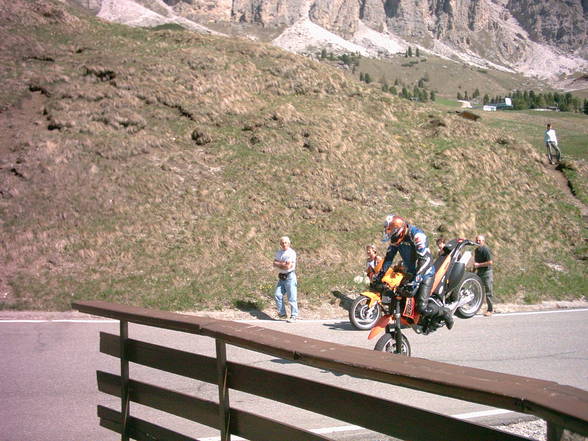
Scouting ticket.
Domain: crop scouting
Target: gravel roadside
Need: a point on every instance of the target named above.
(324, 312)
(537, 430)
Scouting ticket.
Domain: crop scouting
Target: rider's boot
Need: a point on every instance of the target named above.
(447, 316)
(433, 310)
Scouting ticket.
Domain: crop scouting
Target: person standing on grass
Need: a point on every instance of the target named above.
(483, 268)
(285, 262)
(551, 144)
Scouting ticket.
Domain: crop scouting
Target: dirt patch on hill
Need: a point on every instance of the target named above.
(559, 177)
(20, 127)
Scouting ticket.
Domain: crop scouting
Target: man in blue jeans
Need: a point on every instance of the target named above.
(285, 262)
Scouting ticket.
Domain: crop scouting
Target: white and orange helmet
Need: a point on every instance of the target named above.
(395, 229)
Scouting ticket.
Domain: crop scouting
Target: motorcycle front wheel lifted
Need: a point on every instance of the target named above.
(387, 343)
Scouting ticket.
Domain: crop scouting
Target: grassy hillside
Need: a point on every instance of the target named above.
(160, 167)
(446, 77)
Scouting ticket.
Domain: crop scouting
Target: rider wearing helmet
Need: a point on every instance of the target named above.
(413, 245)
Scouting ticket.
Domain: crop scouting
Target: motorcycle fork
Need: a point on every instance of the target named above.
(397, 326)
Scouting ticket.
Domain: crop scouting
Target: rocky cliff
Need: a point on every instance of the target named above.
(537, 37)
(560, 23)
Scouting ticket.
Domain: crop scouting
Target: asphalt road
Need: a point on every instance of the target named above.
(48, 383)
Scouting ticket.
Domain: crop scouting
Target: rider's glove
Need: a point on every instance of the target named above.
(408, 289)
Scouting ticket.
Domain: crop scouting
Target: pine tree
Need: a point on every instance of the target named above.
(539, 101)
(361, 77)
(433, 97)
(409, 51)
(424, 96)
(459, 97)
(486, 99)
(418, 52)
(586, 106)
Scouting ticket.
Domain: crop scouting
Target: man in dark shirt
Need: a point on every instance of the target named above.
(483, 267)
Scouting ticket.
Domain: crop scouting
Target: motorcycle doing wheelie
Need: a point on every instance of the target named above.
(453, 288)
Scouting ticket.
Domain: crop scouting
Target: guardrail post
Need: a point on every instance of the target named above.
(554, 432)
(223, 390)
(124, 377)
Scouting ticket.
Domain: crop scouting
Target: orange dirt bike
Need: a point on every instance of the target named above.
(453, 288)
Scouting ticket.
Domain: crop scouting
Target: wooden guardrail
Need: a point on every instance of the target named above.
(563, 407)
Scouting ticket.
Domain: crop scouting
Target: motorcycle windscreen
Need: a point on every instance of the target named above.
(392, 278)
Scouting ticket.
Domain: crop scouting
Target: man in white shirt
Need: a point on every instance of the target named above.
(285, 262)
(551, 144)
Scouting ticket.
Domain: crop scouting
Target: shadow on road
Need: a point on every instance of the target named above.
(345, 300)
(340, 326)
(251, 309)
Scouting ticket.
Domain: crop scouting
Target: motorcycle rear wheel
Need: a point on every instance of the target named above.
(470, 285)
(387, 343)
(362, 316)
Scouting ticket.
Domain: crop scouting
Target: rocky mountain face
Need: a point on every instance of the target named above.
(498, 30)
(538, 37)
(560, 23)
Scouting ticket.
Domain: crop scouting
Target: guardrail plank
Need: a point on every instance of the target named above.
(374, 413)
(391, 418)
(244, 424)
(187, 364)
(562, 405)
(138, 429)
(182, 405)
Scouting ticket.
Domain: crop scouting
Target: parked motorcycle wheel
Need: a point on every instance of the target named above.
(387, 343)
(470, 286)
(362, 316)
